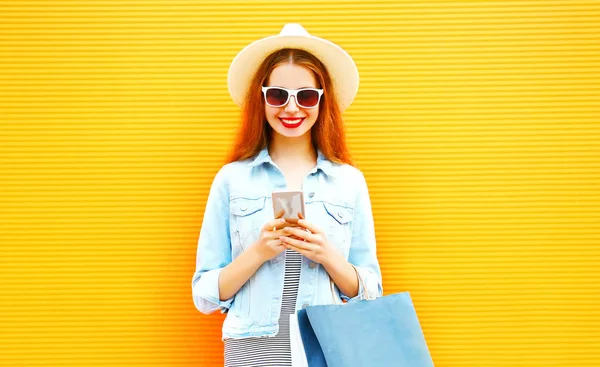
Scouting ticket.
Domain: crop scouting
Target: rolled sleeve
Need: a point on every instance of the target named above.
(363, 249)
(206, 293)
(214, 249)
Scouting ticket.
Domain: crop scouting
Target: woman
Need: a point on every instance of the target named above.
(255, 267)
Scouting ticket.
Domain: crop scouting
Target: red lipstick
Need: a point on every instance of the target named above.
(291, 122)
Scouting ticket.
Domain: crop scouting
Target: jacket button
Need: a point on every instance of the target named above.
(311, 195)
(244, 209)
(312, 265)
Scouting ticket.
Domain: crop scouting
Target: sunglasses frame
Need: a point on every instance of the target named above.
(292, 92)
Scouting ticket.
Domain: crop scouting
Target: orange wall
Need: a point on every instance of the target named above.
(476, 125)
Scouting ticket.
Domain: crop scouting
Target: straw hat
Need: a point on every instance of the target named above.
(339, 64)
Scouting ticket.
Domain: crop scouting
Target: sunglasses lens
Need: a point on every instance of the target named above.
(308, 98)
(276, 96)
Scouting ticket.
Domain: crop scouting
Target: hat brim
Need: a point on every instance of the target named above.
(339, 64)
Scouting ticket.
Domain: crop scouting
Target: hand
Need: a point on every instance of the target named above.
(308, 240)
(269, 244)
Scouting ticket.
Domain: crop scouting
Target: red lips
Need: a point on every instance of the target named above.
(291, 122)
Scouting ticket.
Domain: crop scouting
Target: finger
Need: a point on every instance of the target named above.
(275, 243)
(297, 243)
(274, 234)
(301, 233)
(291, 236)
(279, 214)
(311, 227)
(292, 221)
(275, 223)
(306, 253)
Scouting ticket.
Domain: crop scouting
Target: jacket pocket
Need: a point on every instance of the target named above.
(339, 216)
(246, 220)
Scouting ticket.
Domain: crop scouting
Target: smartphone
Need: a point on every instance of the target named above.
(291, 203)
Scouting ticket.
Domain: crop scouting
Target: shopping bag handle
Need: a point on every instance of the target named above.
(337, 300)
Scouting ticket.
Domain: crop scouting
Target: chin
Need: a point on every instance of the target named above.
(291, 132)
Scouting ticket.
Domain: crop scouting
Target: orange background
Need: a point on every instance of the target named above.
(476, 125)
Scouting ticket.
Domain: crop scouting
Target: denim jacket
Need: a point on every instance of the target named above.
(239, 204)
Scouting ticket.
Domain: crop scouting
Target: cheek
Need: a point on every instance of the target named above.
(271, 115)
(312, 117)
(268, 111)
(314, 113)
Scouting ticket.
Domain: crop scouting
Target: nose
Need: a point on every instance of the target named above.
(291, 107)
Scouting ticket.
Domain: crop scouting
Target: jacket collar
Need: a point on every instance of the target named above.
(323, 163)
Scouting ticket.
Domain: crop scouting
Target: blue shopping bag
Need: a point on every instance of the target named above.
(380, 332)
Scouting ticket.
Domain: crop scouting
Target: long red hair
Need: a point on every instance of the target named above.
(327, 134)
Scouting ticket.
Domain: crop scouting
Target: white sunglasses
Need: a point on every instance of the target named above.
(305, 97)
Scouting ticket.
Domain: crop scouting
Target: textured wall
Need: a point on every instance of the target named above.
(476, 125)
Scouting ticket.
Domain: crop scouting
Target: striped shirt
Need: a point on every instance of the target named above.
(274, 351)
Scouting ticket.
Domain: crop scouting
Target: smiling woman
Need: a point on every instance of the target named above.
(257, 268)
